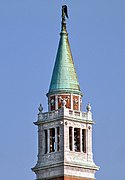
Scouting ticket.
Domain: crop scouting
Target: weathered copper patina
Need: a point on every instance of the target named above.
(64, 77)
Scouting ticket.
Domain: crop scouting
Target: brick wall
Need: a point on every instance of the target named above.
(58, 178)
(75, 178)
(70, 178)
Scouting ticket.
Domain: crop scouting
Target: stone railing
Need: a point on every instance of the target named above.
(66, 113)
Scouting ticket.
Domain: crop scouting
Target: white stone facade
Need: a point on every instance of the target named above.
(64, 161)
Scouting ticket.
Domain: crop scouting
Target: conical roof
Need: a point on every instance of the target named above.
(64, 77)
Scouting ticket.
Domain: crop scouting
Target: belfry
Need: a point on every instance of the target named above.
(64, 132)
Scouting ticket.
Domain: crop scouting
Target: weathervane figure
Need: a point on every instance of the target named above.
(64, 12)
(64, 15)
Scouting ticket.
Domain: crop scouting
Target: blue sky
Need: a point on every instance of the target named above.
(29, 37)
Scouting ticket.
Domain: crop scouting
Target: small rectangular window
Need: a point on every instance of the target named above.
(46, 144)
(84, 140)
(52, 139)
(70, 138)
(77, 139)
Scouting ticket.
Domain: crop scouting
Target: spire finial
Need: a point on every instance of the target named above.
(88, 107)
(64, 15)
(40, 108)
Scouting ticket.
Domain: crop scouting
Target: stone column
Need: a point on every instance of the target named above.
(42, 146)
(79, 103)
(48, 139)
(87, 143)
(55, 139)
(66, 137)
(71, 101)
(89, 131)
(80, 140)
(56, 102)
(72, 138)
(62, 136)
(49, 103)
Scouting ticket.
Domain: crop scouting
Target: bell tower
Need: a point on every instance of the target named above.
(64, 132)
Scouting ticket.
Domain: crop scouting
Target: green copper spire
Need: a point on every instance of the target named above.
(64, 77)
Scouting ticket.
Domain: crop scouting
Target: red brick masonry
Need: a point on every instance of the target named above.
(70, 178)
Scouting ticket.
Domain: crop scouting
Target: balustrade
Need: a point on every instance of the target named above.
(64, 112)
